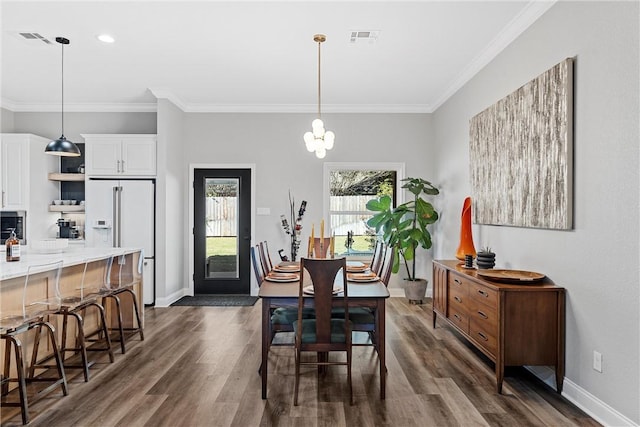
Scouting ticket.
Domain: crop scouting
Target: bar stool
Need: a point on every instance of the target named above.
(75, 304)
(124, 285)
(31, 316)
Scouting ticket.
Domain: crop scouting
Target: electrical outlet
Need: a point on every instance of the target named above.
(597, 361)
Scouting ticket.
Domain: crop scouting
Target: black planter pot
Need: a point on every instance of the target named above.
(486, 260)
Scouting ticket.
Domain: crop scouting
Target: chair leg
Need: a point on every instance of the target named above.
(105, 331)
(349, 359)
(22, 383)
(7, 365)
(297, 382)
(56, 353)
(34, 352)
(119, 318)
(80, 344)
(136, 311)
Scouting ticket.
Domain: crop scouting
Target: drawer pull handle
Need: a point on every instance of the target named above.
(483, 336)
(457, 298)
(457, 317)
(483, 293)
(484, 316)
(457, 281)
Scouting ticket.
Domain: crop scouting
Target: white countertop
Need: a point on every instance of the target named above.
(73, 255)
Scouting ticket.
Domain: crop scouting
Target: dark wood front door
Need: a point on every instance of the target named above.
(222, 231)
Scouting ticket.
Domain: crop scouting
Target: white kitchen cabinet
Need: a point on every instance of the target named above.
(109, 155)
(24, 168)
(15, 171)
(20, 154)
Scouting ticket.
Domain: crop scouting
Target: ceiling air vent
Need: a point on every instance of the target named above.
(35, 37)
(368, 37)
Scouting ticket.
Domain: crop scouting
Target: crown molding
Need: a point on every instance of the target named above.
(21, 107)
(527, 16)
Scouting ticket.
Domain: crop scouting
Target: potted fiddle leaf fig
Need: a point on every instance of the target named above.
(404, 228)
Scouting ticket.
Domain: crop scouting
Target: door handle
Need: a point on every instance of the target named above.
(246, 238)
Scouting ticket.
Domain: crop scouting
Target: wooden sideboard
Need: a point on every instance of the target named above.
(512, 324)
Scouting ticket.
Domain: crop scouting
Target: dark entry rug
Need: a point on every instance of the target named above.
(217, 300)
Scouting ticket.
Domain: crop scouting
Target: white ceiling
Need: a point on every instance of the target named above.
(251, 56)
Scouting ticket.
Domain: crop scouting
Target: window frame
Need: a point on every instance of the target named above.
(329, 167)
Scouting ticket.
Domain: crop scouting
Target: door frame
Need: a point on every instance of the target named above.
(192, 167)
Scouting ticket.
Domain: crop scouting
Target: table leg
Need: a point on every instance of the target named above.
(266, 340)
(380, 331)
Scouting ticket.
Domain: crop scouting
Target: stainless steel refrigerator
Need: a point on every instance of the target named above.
(121, 213)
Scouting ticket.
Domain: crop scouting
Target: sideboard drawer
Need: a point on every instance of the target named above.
(485, 336)
(483, 294)
(483, 315)
(458, 297)
(459, 318)
(458, 281)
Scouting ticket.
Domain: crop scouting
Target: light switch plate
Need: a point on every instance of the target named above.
(264, 211)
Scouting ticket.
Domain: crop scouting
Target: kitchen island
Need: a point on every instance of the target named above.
(13, 274)
(71, 256)
(41, 286)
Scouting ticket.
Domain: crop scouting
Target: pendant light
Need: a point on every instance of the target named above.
(319, 140)
(62, 146)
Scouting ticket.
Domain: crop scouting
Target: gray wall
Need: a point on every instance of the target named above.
(6, 120)
(49, 124)
(171, 200)
(597, 262)
(273, 142)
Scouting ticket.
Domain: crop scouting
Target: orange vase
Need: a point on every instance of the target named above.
(466, 237)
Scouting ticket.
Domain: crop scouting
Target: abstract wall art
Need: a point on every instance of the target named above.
(521, 155)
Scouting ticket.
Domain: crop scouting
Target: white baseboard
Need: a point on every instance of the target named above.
(167, 301)
(594, 407)
(399, 292)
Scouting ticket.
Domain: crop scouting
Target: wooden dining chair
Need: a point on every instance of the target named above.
(363, 318)
(320, 247)
(376, 259)
(265, 261)
(282, 318)
(387, 264)
(32, 316)
(324, 333)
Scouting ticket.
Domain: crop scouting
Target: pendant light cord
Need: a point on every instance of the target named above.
(62, 108)
(319, 114)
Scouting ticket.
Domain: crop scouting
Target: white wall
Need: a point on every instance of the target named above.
(597, 262)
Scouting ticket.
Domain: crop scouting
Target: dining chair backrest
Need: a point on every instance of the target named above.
(323, 274)
(267, 255)
(387, 265)
(257, 269)
(263, 259)
(376, 260)
(320, 247)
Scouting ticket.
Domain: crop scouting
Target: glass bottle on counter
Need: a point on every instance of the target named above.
(13, 246)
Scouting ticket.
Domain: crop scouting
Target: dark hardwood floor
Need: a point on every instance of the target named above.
(198, 366)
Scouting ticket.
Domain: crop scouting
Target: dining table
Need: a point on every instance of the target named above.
(372, 295)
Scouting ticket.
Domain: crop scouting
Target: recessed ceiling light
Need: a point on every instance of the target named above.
(106, 38)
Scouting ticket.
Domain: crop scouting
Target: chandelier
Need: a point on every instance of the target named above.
(319, 139)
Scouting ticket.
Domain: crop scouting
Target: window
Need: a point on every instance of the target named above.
(348, 188)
